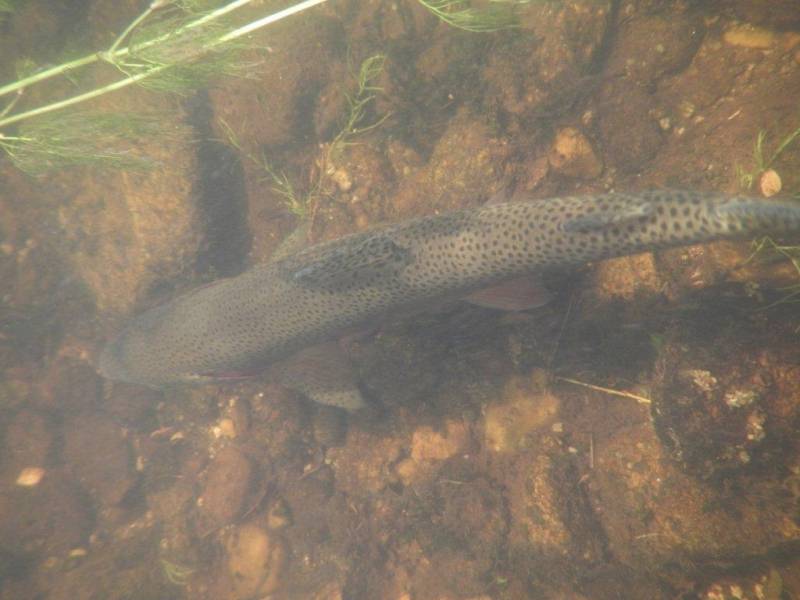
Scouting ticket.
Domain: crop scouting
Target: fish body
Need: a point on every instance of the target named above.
(240, 325)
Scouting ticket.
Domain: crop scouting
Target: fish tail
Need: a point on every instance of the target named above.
(760, 216)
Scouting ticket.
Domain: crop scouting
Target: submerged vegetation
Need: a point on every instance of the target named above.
(357, 103)
(172, 46)
(763, 161)
(175, 46)
(303, 204)
(768, 249)
(176, 573)
(80, 139)
(6, 7)
(295, 203)
(498, 15)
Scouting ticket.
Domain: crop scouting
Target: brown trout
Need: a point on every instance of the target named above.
(242, 324)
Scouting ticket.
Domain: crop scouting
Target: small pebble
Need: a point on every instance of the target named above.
(769, 183)
(747, 36)
(342, 180)
(227, 428)
(30, 476)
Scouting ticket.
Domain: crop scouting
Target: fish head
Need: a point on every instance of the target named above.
(120, 361)
(136, 354)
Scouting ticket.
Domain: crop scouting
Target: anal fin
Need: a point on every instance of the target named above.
(515, 295)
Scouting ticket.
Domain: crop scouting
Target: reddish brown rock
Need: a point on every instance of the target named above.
(97, 451)
(228, 480)
(465, 165)
(654, 514)
(649, 47)
(28, 441)
(572, 155)
(69, 385)
(630, 134)
(48, 519)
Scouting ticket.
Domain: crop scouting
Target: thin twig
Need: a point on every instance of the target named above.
(639, 399)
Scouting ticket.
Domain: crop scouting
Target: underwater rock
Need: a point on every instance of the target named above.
(465, 163)
(279, 516)
(748, 36)
(97, 451)
(654, 514)
(126, 565)
(363, 466)
(652, 46)
(724, 393)
(549, 512)
(526, 407)
(542, 73)
(429, 447)
(769, 183)
(428, 444)
(228, 481)
(330, 426)
(238, 411)
(466, 528)
(572, 155)
(30, 476)
(128, 230)
(274, 100)
(627, 277)
(256, 561)
(69, 385)
(48, 519)
(28, 439)
(631, 136)
(133, 405)
(779, 14)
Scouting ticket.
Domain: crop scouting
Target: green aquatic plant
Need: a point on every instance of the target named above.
(82, 139)
(303, 205)
(762, 160)
(298, 205)
(171, 47)
(176, 573)
(497, 15)
(7, 7)
(769, 249)
(366, 91)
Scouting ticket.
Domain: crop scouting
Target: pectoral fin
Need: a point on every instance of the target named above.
(323, 374)
(351, 266)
